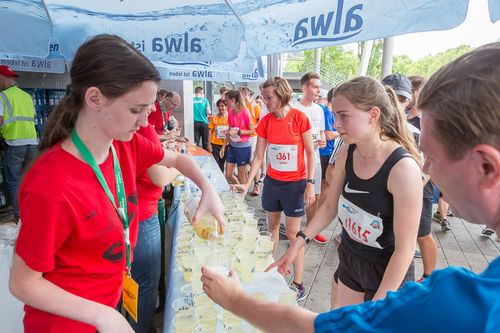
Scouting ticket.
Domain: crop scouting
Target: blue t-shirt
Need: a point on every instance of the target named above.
(329, 121)
(200, 105)
(450, 300)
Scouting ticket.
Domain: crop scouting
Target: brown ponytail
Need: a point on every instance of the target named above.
(59, 123)
(398, 129)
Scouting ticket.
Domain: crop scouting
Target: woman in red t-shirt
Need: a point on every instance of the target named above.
(289, 183)
(78, 197)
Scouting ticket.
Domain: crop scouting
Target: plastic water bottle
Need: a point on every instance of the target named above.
(206, 227)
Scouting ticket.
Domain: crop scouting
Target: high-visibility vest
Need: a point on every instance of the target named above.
(19, 115)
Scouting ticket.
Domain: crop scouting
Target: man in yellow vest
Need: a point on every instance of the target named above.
(17, 128)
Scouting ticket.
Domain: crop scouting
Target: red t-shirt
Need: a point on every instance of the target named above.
(285, 148)
(70, 230)
(147, 192)
(158, 119)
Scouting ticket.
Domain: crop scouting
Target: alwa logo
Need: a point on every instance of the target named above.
(333, 26)
(251, 76)
(182, 43)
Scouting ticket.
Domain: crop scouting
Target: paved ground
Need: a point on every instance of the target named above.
(462, 246)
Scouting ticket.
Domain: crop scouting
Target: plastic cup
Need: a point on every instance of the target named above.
(184, 322)
(207, 317)
(190, 263)
(182, 304)
(246, 266)
(231, 321)
(202, 299)
(187, 291)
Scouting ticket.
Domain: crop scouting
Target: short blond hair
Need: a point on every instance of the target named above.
(282, 89)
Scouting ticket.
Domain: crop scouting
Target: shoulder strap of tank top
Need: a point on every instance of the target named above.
(398, 154)
(348, 162)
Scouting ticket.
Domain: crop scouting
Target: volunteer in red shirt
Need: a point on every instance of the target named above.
(146, 267)
(78, 201)
(289, 184)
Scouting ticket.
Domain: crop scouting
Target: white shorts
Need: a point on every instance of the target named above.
(253, 145)
(317, 177)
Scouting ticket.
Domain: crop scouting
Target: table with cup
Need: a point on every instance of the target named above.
(243, 247)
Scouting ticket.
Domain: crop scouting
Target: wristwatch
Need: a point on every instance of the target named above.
(311, 180)
(303, 235)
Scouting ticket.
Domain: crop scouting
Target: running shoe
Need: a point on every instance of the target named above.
(320, 239)
(437, 217)
(417, 255)
(300, 289)
(422, 278)
(488, 231)
(445, 225)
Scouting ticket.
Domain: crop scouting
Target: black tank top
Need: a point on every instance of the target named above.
(366, 210)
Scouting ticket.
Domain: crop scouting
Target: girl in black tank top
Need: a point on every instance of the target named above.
(371, 235)
(379, 206)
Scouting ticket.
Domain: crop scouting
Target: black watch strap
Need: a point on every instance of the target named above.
(303, 235)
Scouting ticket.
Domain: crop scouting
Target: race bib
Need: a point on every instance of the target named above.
(221, 131)
(361, 226)
(283, 157)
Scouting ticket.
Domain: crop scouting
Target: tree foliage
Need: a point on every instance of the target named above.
(339, 64)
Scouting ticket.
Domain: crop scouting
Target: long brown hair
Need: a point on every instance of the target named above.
(233, 94)
(107, 62)
(364, 93)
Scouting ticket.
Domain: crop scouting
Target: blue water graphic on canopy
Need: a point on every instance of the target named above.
(214, 30)
(494, 7)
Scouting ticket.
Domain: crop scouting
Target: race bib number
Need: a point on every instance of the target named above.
(361, 226)
(283, 157)
(221, 131)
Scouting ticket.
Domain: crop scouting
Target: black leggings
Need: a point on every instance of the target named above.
(201, 131)
(215, 152)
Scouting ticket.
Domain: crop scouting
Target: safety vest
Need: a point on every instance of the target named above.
(19, 116)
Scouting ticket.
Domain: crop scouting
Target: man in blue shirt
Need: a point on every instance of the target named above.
(464, 95)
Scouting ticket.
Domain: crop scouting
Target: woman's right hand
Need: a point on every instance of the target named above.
(112, 321)
(285, 262)
(240, 188)
(221, 153)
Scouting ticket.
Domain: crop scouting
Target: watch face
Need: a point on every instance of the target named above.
(312, 181)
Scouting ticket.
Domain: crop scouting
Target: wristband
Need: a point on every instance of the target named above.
(303, 235)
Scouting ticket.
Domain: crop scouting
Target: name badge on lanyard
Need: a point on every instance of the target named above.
(283, 157)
